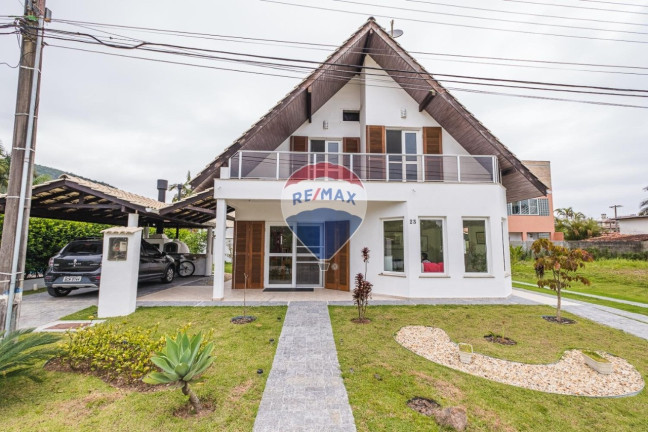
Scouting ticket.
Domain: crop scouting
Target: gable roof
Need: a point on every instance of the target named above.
(348, 60)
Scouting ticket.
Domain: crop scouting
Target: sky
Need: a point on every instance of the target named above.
(128, 122)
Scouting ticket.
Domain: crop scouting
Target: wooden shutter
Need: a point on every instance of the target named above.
(299, 143)
(351, 145)
(248, 254)
(375, 139)
(432, 145)
(337, 275)
(376, 144)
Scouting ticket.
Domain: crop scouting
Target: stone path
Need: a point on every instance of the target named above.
(304, 391)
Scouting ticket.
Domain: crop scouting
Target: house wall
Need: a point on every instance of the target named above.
(521, 225)
(633, 226)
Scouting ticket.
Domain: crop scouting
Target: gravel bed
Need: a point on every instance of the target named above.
(569, 376)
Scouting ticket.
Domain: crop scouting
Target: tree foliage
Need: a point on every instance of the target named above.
(563, 263)
(184, 188)
(575, 225)
(644, 205)
(196, 239)
(48, 236)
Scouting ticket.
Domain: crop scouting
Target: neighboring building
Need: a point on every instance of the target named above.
(531, 219)
(437, 182)
(633, 224)
(608, 225)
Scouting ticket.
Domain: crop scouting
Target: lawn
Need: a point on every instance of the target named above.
(68, 401)
(381, 376)
(616, 278)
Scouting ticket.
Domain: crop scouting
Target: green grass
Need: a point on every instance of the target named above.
(69, 401)
(228, 267)
(88, 313)
(380, 375)
(616, 278)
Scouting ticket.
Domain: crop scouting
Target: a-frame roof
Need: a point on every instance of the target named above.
(347, 61)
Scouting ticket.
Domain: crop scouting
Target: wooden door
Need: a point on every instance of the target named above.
(248, 254)
(432, 145)
(376, 144)
(337, 275)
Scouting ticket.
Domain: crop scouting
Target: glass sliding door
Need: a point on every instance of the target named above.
(280, 256)
(310, 244)
(292, 260)
(399, 145)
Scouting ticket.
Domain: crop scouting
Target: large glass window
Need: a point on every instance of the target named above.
(475, 252)
(280, 260)
(401, 143)
(393, 249)
(533, 207)
(431, 239)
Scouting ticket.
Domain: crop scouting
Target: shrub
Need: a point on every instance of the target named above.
(112, 351)
(182, 361)
(20, 350)
(362, 290)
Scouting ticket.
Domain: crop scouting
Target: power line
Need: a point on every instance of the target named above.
(410, 74)
(575, 7)
(526, 13)
(314, 45)
(486, 18)
(454, 24)
(614, 3)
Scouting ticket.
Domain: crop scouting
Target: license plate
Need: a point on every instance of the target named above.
(71, 278)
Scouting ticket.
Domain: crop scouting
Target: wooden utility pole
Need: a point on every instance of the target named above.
(18, 201)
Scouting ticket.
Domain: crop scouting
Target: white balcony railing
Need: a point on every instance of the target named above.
(279, 165)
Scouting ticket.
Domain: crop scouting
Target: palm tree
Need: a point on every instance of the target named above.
(644, 205)
(183, 190)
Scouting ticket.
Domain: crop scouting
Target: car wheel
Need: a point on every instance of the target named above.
(58, 292)
(169, 274)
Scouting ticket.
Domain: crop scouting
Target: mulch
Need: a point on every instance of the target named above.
(423, 405)
(242, 319)
(502, 340)
(553, 319)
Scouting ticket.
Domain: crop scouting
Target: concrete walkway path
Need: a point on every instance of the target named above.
(304, 391)
(635, 324)
(599, 297)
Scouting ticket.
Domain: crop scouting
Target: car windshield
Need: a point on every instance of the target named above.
(85, 248)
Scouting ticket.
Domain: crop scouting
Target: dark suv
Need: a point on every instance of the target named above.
(78, 265)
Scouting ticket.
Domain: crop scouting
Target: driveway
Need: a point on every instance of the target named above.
(39, 309)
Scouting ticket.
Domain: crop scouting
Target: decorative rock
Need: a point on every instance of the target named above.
(454, 417)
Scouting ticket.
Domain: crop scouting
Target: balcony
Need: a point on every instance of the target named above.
(279, 165)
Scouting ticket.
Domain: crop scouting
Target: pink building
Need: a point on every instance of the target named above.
(532, 218)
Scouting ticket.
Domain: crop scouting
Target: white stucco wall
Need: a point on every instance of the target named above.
(633, 226)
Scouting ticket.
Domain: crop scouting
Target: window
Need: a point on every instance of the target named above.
(533, 207)
(393, 247)
(350, 115)
(431, 239)
(400, 143)
(474, 238)
(280, 257)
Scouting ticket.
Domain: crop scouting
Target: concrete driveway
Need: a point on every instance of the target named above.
(40, 309)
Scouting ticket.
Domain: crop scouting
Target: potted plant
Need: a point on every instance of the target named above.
(465, 353)
(597, 362)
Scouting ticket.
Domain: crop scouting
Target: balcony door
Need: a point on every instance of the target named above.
(401, 149)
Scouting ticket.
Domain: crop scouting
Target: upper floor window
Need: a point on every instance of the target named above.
(533, 207)
(350, 115)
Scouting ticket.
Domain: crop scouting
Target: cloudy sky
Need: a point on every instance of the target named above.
(128, 122)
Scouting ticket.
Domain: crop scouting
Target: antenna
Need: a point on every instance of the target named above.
(395, 33)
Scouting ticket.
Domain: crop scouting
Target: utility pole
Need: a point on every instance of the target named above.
(615, 206)
(18, 201)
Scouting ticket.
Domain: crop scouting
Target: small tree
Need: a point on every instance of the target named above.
(182, 361)
(362, 290)
(563, 263)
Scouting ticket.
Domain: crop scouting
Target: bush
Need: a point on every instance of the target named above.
(20, 350)
(606, 253)
(519, 254)
(112, 351)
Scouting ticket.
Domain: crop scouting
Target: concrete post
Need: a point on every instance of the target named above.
(209, 253)
(133, 220)
(119, 271)
(219, 250)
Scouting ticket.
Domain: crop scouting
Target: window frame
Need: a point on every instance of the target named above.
(402, 273)
(444, 248)
(487, 243)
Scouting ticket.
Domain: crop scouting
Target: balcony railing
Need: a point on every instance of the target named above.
(279, 165)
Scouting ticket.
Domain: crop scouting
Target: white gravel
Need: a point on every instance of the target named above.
(570, 375)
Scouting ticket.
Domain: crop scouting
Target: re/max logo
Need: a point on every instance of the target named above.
(323, 195)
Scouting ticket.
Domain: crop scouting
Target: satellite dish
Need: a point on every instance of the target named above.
(395, 33)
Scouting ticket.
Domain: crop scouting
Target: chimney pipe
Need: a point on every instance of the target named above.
(162, 186)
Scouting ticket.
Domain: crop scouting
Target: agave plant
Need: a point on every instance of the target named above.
(182, 361)
(21, 349)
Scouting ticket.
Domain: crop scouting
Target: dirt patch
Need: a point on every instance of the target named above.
(424, 406)
(448, 390)
(361, 321)
(499, 339)
(187, 412)
(553, 319)
(492, 418)
(56, 365)
(242, 319)
(238, 391)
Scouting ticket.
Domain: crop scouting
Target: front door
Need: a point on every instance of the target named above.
(337, 275)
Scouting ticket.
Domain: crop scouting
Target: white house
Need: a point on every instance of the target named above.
(437, 182)
(634, 224)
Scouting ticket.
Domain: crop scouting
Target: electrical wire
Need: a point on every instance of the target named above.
(575, 7)
(526, 13)
(614, 3)
(410, 74)
(563, 26)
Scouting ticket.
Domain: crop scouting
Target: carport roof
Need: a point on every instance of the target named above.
(77, 199)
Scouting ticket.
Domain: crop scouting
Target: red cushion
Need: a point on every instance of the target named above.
(441, 267)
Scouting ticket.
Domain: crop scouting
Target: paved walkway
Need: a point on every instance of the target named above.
(610, 299)
(305, 391)
(635, 324)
